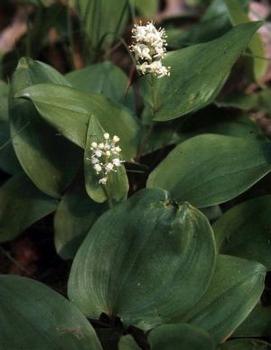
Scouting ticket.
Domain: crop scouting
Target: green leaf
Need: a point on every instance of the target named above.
(197, 75)
(117, 186)
(47, 158)
(142, 260)
(256, 47)
(104, 78)
(239, 234)
(256, 101)
(35, 317)
(68, 110)
(245, 344)
(234, 291)
(103, 20)
(179, 336)
(146, 8)
(21, 204)
(74, 216)
(8, 160)
(257, 324)
(128, 343)
(211, 169)
(177, 131)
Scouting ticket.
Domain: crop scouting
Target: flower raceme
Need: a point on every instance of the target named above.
(149, 48)
(105, 157)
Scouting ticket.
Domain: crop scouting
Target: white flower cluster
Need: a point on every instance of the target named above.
(105, 157)
(149, 48)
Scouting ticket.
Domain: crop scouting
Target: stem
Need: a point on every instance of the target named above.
(147, 128)
(109, 199)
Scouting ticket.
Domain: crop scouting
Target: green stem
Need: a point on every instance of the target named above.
(109, 199)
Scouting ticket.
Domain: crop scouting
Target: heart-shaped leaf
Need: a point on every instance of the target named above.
(234, 291)
(47, 158)
(69, 110)
(32, 316)
(197, 75)
(142, 260)
(21, 204)
(117, 185)
(238, 233)
(211, 169)
(179, 336)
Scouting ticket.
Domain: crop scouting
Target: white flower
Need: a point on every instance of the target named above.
(97, 168)
(103, 181)
(149, 48)
(94, 160)
(105, 157)
(109, 167)
(116, 162)
(98, 153)
(116, 139)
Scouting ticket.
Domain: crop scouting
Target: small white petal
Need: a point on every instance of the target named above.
(109, 166)
(101, 145)
(97, 168)
(98, 153)
(94, 160)
(103, 181)
(116, 162)
(94, 145)
(106, 136)
(116, 139)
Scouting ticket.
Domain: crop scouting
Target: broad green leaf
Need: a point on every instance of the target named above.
(197, 75)
(238, 233)
(240, 101)
(257, 324)
(177, 131)
(8, 160)
(128, 343)
(211, 169)
(256, 47)
(103, 20)
(256, 101)
(142, 260)
(47, 158)
(74, 216)
(68, 110)
(21, 204)
(245, 344)
(33, 316)
(146, 8)
(179, 336)
(104, 78)
(234, 291)
(117, 185)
